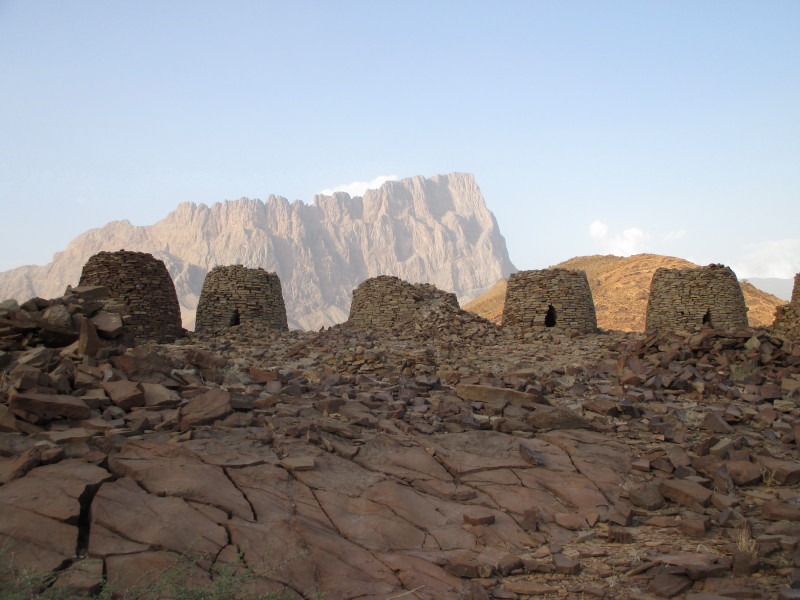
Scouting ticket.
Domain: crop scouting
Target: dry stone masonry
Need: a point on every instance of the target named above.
(686, 299)
(236, 295)
(787, 317)
(549, 298)
(143, 283)
(383, 302)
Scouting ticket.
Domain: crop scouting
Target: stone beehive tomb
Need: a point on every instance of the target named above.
(686, 299)
(787, 317)
(236, 295)
(549, 298)
(385, 301)
(143, 283)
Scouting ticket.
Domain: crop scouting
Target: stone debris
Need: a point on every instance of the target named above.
(142, 283)
(549, 298)
(236, 295)
(683, 299)
(433, 457)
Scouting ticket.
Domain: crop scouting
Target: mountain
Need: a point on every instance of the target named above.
(621, 286)
(781, 288)
(433, 230)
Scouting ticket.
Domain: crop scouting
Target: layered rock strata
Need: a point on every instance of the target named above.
(686, 299)
(234, 295)
(142, 282)
(549, 298)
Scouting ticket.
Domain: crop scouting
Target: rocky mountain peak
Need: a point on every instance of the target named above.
(435, 230)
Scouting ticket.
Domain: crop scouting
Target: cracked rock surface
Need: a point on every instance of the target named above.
(443, 459)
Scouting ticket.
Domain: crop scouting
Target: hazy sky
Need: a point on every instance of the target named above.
(591, 127)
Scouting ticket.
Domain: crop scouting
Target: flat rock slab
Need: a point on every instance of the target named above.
(34, 541)
(213, 405)
(125, 394)
(606, 462)
(312, 557)
(400, 458)
(54, 490)
(471, 451)
(172, 470)
(51, 406)
(686, 493)
(298, 463)
(125, 509)
(780, 511)
(486, 393)
(548, 418)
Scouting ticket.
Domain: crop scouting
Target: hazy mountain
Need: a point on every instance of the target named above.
(434, 230)
(782, 288)
(620, 288)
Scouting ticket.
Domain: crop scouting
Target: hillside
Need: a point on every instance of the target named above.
(434, 230)
(620, 287)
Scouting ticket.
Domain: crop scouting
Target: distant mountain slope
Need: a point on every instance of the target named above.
(782, 288)
(433, 230)
(621, 286)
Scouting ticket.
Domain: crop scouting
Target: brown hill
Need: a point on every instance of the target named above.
(620, 287)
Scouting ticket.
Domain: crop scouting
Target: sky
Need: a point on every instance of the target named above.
(596, 127)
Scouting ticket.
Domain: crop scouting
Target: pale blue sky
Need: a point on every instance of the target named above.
(591, 127)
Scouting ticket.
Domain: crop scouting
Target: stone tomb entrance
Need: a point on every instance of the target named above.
(236, 295)
(385, 301)
(549, 298)
(143, 283)
(687, 299)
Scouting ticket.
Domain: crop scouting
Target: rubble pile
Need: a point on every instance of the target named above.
(84, 320)
(408, 463)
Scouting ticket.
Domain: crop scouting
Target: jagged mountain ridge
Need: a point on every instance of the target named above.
(436, 230)
(620, 288)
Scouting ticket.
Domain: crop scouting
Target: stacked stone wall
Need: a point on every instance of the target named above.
(142, 282)
(383, 302)
(234, 295)
(549, 298)
(687, 299)
(787, 317)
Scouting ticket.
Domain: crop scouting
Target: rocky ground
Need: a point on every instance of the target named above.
(444, 459)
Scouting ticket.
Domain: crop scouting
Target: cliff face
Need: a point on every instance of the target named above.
(432, 230)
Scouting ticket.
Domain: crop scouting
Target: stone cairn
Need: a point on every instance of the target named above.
(787, 317)
(687, 299)
(385, 301)
(235, 295)
(143, 283)
(549, 298)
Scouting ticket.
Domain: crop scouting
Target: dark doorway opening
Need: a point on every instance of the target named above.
(550, 317)
(234, 317)
(707, 318)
